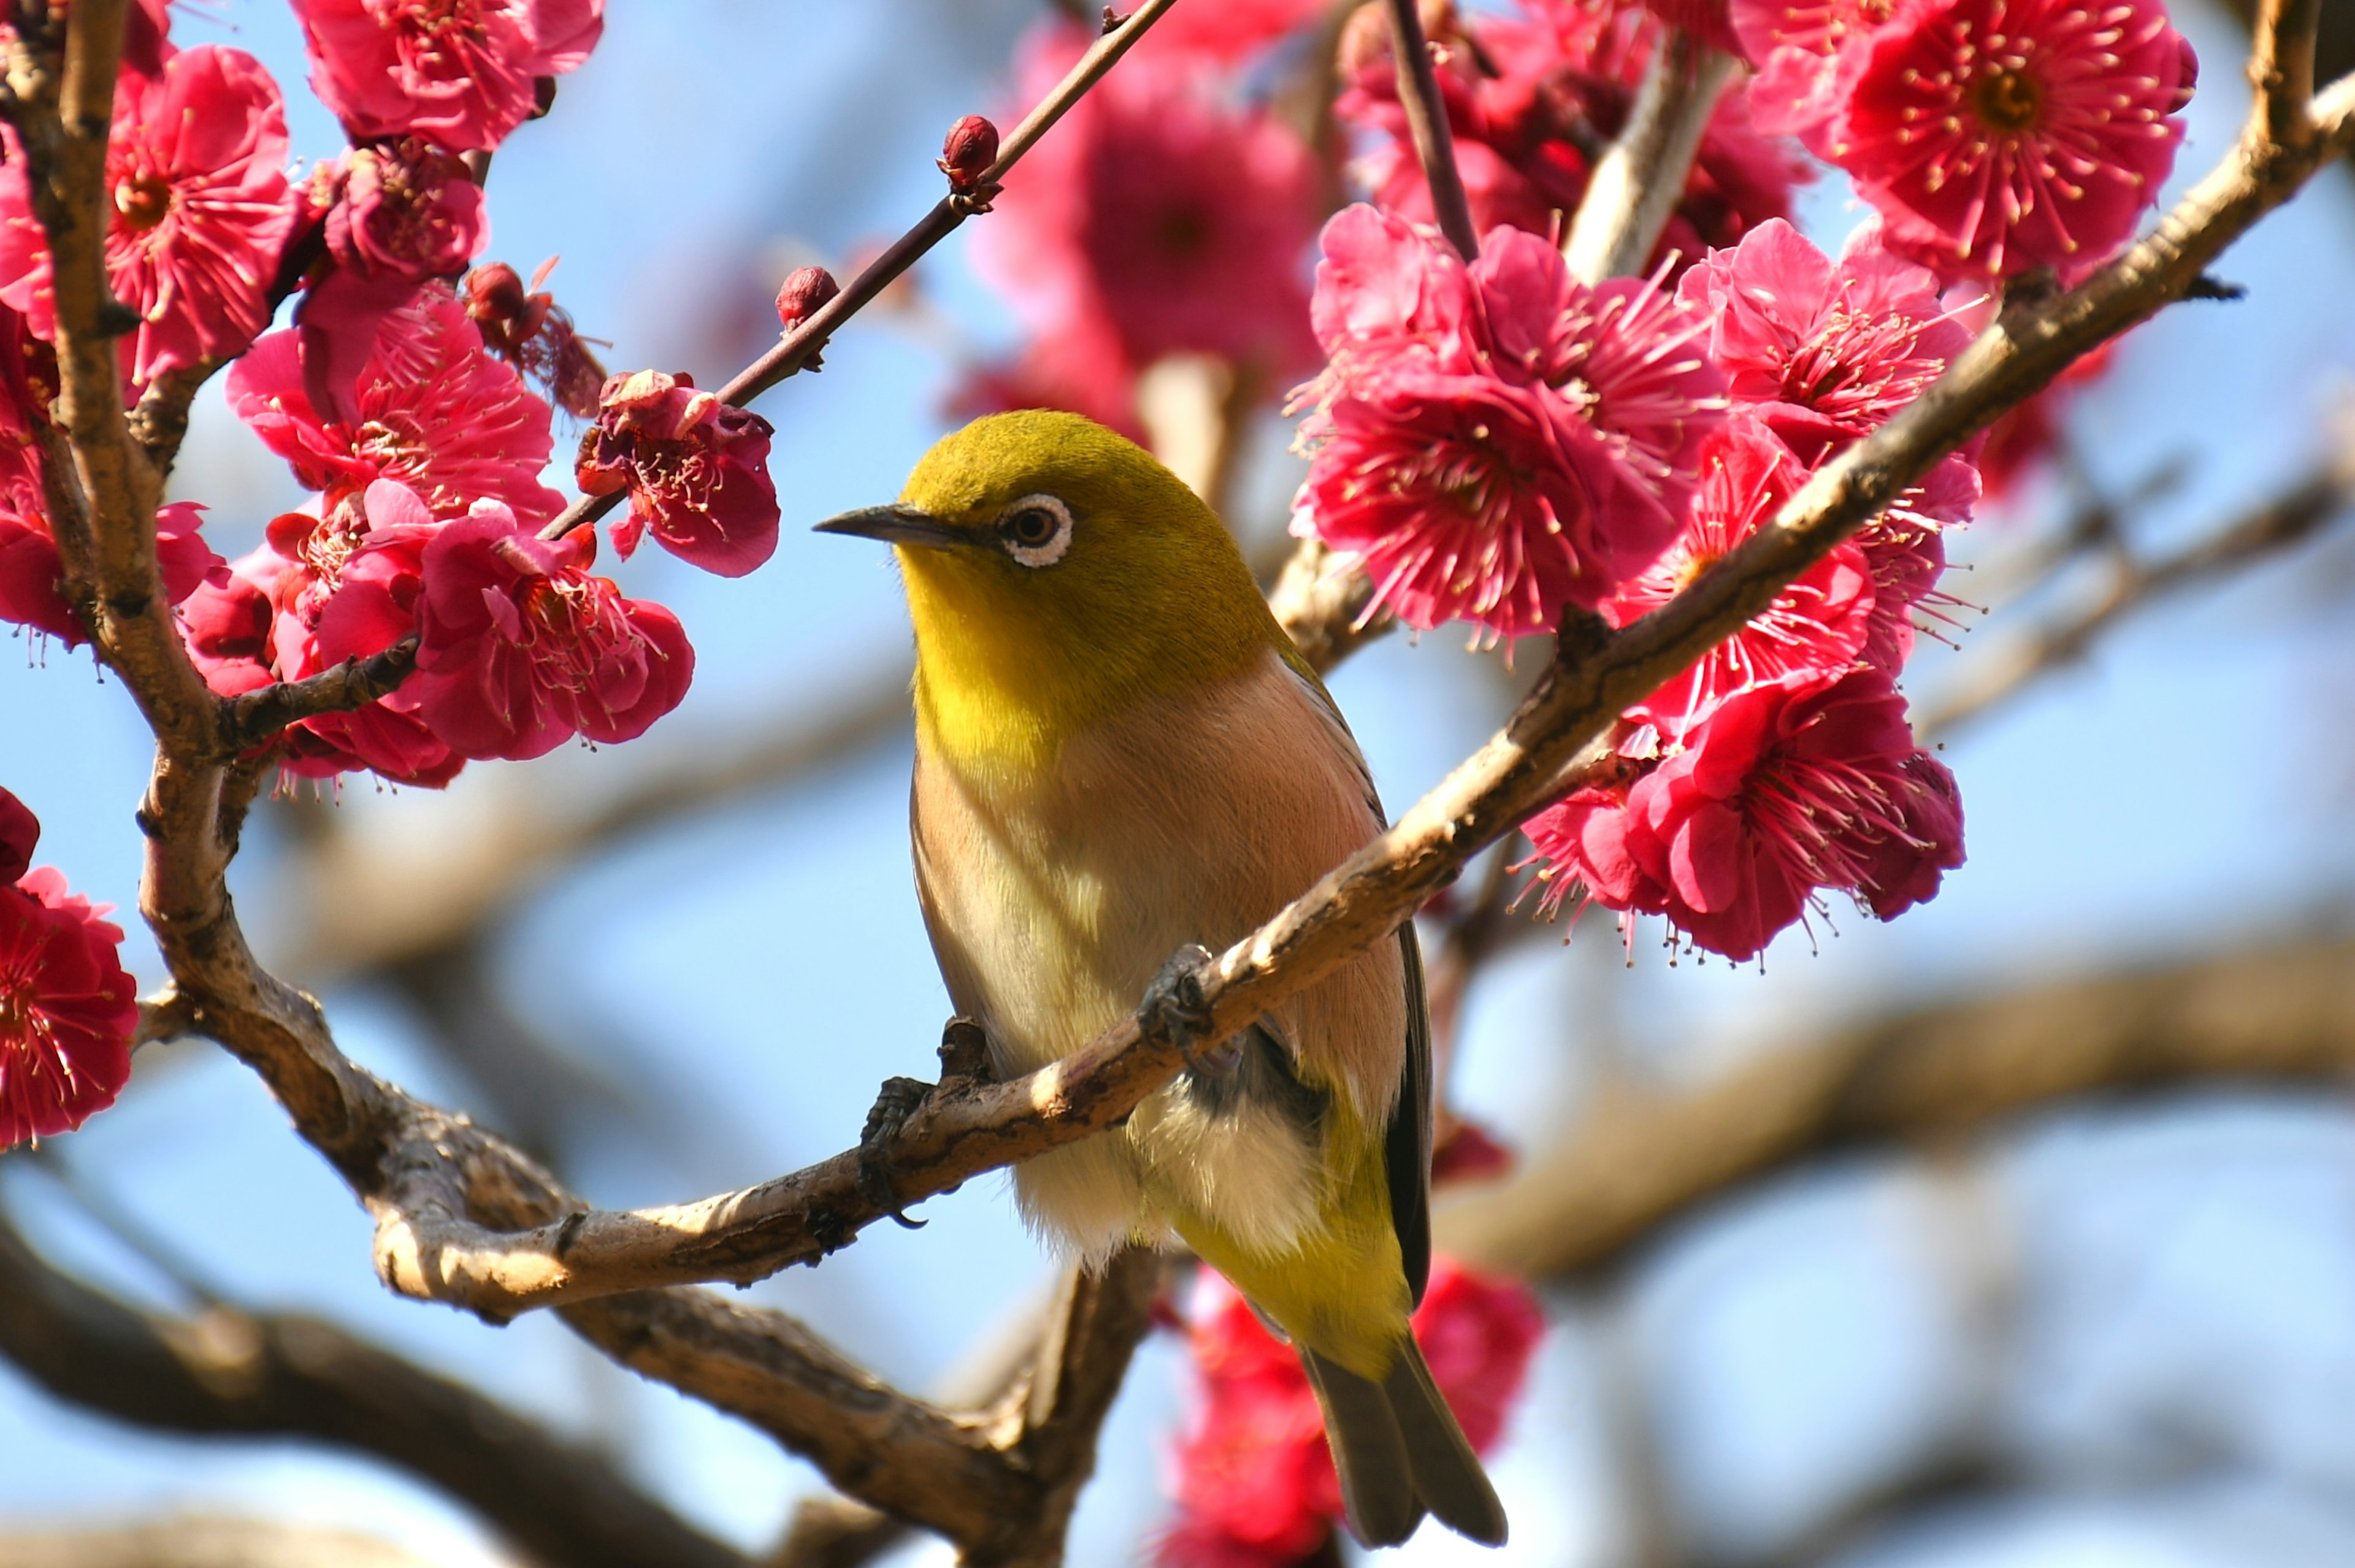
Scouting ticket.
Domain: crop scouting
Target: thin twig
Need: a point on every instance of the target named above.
(2287, 519)
(249, 720)
(1426, 121)
(798, 346)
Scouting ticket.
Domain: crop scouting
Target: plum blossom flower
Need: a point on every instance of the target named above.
(1821, 351)
(435, 411)
(322, 589)
(1820, 622)
(1806, 55)
(697, 470)
(1532, 101)
(1784, 790)
(67, 1009)
(30, 571)
(1254, 1478)
(461, 73)
(1232, 30)
(196, 165)
(520, 648)
(1161, 218)
(1498, 442)
(1999, 135)
(403, 212)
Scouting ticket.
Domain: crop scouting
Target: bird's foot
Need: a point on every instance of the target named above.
(894, 1104)
(1176, 1010)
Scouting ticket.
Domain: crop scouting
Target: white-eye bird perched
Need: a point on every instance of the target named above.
(1119, 753)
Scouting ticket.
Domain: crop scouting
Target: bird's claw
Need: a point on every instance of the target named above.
(894, 1104)
(1175, 1008)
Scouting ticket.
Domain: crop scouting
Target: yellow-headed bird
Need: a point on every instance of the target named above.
(1120, 753)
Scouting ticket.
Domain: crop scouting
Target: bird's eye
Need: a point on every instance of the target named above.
(1035, 529)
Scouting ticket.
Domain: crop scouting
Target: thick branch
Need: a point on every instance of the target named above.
(2281, 67)
(803, 343)
(198, 1542)
(229, 1372)
(1640, 181)
(1636, 1163)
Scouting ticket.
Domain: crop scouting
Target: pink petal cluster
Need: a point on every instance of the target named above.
(1498, 442)
(1533, 99)
(1994, 136)
(460, 73)
(1822, 622)
(1160, 218)
(1230, 29)
(425, 527)
(1792, 788)
(1254, 1478)
(196, 165)
(435, 411)
(695, 470)
(520, 648)
(67, 1009)
(401, 213)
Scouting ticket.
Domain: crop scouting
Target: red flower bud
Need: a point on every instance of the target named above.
(970, 150)
(804, 293)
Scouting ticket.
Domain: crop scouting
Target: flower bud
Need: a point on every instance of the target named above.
(966, 155)
(804, 293)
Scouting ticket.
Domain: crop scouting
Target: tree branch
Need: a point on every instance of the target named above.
(1426, 121)
(798, 346)
(248, 719)
(224, 1371)
(2281, 67)
(2287, 519)
(452, 1221)
(1638, 181)
(1636, 1163)
(200, 1542)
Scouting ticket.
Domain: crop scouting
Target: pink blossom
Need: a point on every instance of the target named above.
(1498, 442)
(1999, 135)
(436, 413)
(1819, 624)
(1254, 1477)
(1230, 29)
(1821, 352)
(521, 648)
(196, 163)
(67, 1009)
(1808, 783)
(302, 604)
(1532, 100)
(696, 468)
(1807, 54)
(1179, 218)
(30, 571)
(403, 212)
(460, 73)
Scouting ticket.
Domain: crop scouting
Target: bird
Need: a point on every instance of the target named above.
(1122, 763)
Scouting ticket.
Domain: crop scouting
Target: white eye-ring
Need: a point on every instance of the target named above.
(1035, 529)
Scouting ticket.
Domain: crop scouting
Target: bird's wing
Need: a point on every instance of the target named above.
(1406, 1142)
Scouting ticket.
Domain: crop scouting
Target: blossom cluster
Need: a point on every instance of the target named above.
(68, 1010)
(1254, 1478)
(403, 395)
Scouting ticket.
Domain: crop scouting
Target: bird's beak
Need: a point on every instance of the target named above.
(895, 524)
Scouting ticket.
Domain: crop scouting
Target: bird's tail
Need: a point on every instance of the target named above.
(1401, 1454)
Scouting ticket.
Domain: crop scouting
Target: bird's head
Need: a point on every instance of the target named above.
(1056, 573)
